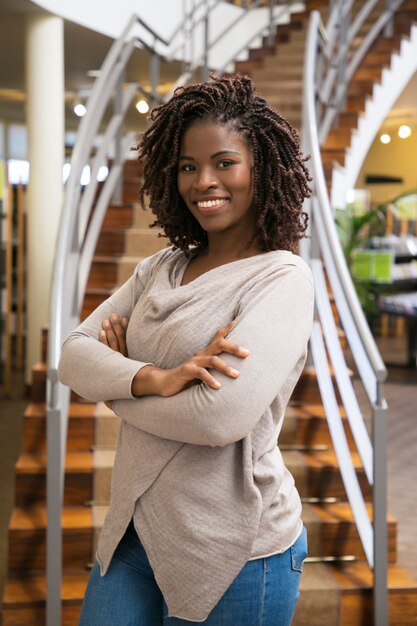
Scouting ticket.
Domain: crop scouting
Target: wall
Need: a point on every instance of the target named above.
(398, 158)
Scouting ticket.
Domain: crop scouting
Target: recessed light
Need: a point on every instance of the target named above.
(385, 138)
(142, 106)
(404, 131)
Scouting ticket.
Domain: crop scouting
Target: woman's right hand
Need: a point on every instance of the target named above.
(169, 382)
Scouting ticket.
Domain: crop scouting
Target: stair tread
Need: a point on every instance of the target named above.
(35, 517)
(76, 409)
(340, 512)
(34, 463)
(309, 410)
(31, 589)
(357, 575)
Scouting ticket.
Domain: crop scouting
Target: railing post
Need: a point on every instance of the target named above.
(118, 103)
(380, 599)
(343, 62)
(205, 71)
(389, 28)
(271, 36)
(154, 72)
(56, 424)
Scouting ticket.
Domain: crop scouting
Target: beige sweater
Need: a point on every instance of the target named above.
(200, 472)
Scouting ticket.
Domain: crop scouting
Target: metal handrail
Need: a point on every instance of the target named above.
(325, 249)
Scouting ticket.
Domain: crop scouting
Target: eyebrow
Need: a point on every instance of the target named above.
(213, 156)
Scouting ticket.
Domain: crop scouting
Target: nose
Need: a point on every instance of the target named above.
(204, 179)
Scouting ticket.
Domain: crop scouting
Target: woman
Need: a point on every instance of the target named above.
(204, 522)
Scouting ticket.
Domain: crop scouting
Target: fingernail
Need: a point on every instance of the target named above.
(217, 385)
(106, 323)
(232, 371)
(244, 351)
(102, 333)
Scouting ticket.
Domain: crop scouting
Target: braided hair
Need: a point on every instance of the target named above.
(280, 177)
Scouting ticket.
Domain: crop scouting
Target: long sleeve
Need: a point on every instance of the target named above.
(274, 325)
(93, 370)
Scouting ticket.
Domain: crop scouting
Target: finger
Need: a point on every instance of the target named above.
(119, 331)
(216, 363)
(102, 337)
(202, 374)
(223, 332)
(125, 322)
(111, 337)
(232, 348)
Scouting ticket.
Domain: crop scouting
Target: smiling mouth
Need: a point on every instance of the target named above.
(210, 204)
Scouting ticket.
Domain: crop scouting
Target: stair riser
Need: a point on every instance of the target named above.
(36, 616)
(80, 434)
(118, 218)
(327, 482)
(356, 609)
(111, 243)
(143, 244)
(27, 549)
(310, 432)
(91, 302)
(103, 274)
(131, 191)
(345, 541)
(30, 489)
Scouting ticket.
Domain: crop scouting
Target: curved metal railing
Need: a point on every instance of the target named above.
(333, 53)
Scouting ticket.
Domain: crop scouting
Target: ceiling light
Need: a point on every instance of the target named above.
(404, 131)
(80, 110)
(142, 106)
(385, 138)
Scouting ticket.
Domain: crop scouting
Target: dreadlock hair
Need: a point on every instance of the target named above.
(280, 177)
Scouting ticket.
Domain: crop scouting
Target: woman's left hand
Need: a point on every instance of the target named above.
(113, 335)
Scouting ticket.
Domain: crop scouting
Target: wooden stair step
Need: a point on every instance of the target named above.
(38, 386)
(268, 88)
(31, 479)
(81, 425)
(93, 297)
(307, 425)
(27, 538)
(341, 595)
(126, 267)
(131, 189)
(339, 138)
(118, 216)
(144, 242)
(24, 599)
(307, 390)
(332, 531)
(103, 272)
(111, 243)
(333, 156)
(143, 218)
(317, 474)
(277, 73)
(355, 581)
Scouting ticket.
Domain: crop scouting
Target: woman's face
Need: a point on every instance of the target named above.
(215, 179)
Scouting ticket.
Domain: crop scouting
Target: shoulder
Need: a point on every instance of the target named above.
(277, 264)
(163, 260)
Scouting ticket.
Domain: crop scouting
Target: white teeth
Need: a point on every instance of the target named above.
(206, 204)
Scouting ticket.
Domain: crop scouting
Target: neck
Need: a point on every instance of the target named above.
(224, 248)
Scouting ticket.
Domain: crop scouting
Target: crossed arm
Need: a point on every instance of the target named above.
(225, 407)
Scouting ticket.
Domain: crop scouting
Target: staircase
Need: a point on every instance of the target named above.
(337, 583)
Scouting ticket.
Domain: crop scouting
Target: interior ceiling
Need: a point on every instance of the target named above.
(85, 50)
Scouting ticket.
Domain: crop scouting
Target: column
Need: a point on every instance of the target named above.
(46, 127)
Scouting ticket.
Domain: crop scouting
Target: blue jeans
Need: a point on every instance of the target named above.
(263, 594)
